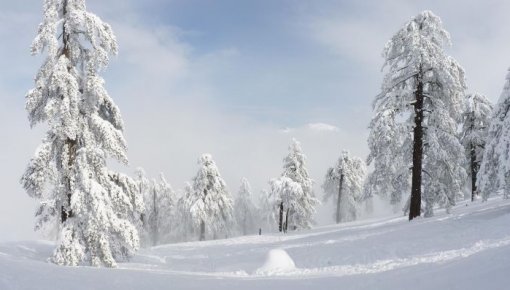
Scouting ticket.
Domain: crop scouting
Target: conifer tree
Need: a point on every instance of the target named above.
(293, 191)
(160, 205)
(422, 94)
(474, 134)
(184, 226)
(143, 185)
(211, 205)
(69, 172)
(344, 182)
(494, 171)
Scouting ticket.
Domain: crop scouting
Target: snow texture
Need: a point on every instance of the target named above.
(466, 250)
(277, 262)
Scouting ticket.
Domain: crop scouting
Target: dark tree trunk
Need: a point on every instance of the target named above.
(474, 171)
(286, 227)
(474, 164)
(415, 207)
(340, 184)
(69, 143)
(202, 230)
(280, 222)
(66, 206)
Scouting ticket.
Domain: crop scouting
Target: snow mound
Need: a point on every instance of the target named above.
(277, 261)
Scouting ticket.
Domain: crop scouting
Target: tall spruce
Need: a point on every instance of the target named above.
(344, 183)
(416, 117)
(69, 171)
(494, 171)
(475, 126)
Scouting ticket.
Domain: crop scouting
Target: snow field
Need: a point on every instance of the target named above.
(469, 249)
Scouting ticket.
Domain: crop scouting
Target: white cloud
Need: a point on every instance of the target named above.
(360, 35)
(167, 93)
(312, 127)
(322, 127)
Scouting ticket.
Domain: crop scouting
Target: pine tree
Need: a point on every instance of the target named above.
(422, 92)
(69, 169)
(244, 209)
(494, 171)
(212, 206)
(293, 191)
(345, 183)
(474, 133)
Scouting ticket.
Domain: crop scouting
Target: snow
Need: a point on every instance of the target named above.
(277, 262)
(468, 249)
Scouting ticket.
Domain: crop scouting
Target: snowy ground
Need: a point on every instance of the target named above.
(469, 249)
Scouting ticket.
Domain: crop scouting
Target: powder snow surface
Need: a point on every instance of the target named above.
(277, 262)
(468, 249)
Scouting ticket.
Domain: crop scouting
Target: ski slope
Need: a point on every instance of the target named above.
(468, 249)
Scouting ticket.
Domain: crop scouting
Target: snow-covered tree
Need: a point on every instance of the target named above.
(416, 117)
(69, 171)
(184, 226)
(160, 206)
(390, 152)
(295, 181)
(287, 195)
(344, 182)
(494, 171)
(211, 205)
(244, 209)
(476, 119)
(143, 186)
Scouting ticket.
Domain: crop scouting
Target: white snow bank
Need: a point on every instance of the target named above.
(277, 262)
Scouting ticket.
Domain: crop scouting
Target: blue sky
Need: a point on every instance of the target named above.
(238, 79)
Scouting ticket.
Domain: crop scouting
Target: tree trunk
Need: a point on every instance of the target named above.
(70, 144)
(71, 158)
(280, 222)
(286, 221)
(340, 184)
(202, 230)
(474, 164)
(474, 171)
(415, 208)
